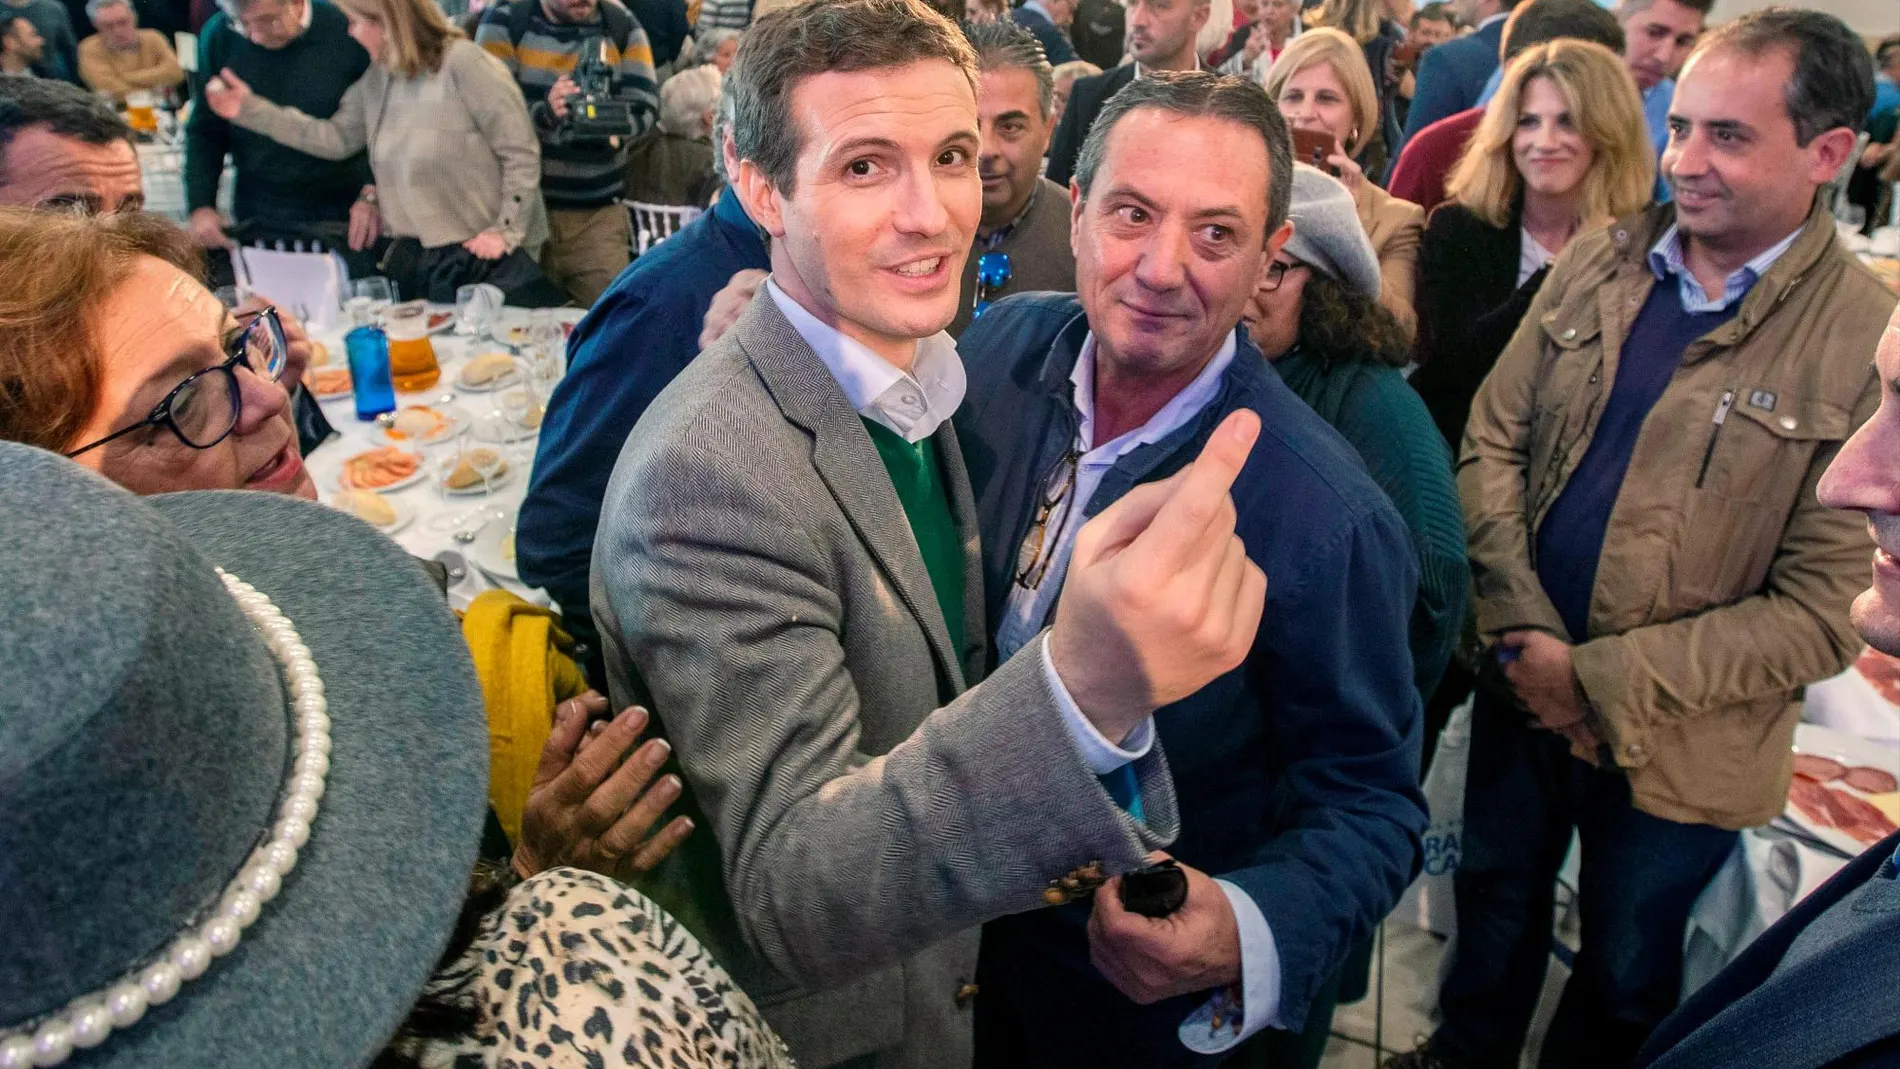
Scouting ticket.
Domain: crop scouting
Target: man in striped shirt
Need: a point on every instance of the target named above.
(582, 177)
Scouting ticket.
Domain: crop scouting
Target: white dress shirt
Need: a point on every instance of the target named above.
(914, 404)
(1025, 613)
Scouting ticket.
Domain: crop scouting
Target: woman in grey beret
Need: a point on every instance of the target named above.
(1316, 315)
(242, 788)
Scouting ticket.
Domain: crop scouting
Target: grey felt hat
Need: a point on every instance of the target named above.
(145, 741)
(1327, 234)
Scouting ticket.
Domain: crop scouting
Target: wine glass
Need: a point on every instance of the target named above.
(475, 308)
(380, 291)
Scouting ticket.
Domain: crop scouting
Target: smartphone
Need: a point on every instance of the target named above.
(1405, 57)
(1314, 147)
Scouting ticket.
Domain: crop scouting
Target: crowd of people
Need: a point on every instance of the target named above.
(1022, 536)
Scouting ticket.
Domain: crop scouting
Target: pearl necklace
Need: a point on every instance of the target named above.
(87, 1020)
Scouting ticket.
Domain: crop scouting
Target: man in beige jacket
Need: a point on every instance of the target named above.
(121, 58)
(1654, 577)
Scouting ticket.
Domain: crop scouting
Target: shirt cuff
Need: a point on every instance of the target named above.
(1259, 1003)
(1099, 754)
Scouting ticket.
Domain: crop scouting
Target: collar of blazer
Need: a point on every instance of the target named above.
(848, 463)
(1807, 1015)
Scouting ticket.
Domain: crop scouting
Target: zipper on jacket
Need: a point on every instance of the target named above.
(1715, 430)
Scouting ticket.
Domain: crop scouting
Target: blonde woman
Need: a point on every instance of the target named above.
(1562, 147)
(1322, 85)
(1369, 22)
(450, 143)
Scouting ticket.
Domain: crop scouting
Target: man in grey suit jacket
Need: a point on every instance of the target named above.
(787, 569)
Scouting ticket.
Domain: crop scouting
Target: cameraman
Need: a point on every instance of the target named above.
(583, 163)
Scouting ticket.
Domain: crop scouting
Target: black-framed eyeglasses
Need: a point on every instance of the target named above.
(203, 410)
(1037, 552)
(993, 272)
(1276, 274)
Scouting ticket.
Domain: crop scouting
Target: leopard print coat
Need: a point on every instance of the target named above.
(576, 970)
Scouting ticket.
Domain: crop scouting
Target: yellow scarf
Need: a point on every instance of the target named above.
(520, 657)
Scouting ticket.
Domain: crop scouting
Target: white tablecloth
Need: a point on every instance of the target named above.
(421, 537)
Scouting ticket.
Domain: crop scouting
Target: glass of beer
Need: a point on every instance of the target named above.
(141, 111)
(412, 364)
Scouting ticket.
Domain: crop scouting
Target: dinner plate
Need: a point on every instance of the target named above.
(495, 482)
(508, 378)
(414, 477)
(456, 416)
(405, 513)
(1849, 752)
(331, 395)
(488, 552)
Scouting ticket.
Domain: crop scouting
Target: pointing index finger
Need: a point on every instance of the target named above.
(1174, 537)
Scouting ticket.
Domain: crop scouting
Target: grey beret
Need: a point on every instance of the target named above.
(1327, 234)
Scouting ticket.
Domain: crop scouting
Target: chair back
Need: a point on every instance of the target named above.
(654, 223)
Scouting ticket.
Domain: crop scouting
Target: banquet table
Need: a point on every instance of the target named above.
(429, 510)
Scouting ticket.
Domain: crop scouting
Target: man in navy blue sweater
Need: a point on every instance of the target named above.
(641, 333)
(1297, 773)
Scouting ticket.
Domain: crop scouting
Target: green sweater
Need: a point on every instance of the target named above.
(917, 475)
(1373, 408)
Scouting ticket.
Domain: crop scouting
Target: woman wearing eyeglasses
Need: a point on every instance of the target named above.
(1317, 319)
(111, 352)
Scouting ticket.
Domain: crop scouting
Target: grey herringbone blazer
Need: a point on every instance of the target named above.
(863, 809)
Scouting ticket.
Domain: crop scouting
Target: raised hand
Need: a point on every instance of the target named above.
(590, 808)
(225, 94)
(1160, 598)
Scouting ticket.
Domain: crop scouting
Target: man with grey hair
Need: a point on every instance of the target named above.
(297, 53)
(674, 163)
(122, 58)
(787, 570)
(1022, 242)
(1297, 771)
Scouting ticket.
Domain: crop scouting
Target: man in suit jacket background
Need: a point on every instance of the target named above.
(1451, 77)
(1817, 988)
(1161, 37)
(787, 569)
(1297, 773)
(1049, 20)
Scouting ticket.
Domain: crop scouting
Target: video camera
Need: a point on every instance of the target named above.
(593, 113)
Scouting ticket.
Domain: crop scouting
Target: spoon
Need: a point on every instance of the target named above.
(458, 568)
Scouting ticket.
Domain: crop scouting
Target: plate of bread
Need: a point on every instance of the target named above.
(386, 514)
(488, 371)
(476, 471)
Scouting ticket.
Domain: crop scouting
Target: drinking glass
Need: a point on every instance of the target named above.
(380, 291)
(475, 308)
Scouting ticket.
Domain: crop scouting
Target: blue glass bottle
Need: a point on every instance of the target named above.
(369, 371)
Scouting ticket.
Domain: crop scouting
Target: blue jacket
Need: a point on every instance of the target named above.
(1298, 772)
(1054, 44)
(1451, 77)
(639, 334)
